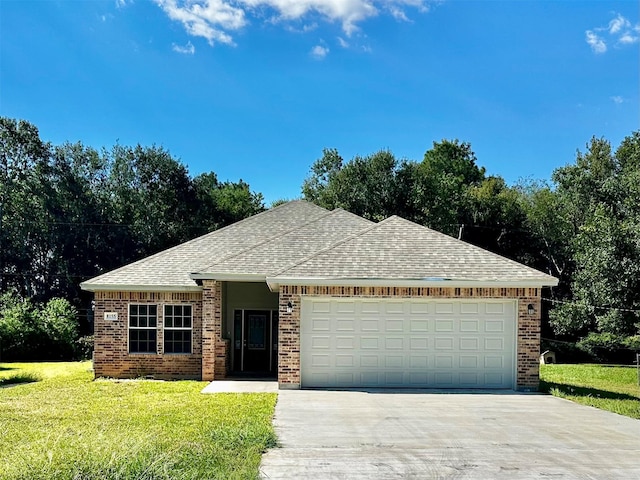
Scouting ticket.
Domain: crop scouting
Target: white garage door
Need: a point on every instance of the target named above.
(407, 343)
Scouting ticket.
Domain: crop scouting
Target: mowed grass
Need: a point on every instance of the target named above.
(612, 388)
(67, 426)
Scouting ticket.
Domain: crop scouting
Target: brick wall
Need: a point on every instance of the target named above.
(215, 349)
(528, 329)
(111, 353)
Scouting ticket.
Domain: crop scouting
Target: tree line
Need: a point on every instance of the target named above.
(582, 226)
(69, 212)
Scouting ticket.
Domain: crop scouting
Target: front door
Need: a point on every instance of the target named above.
(255, 341)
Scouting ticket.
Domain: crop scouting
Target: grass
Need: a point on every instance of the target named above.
(66, 426)
(613, 388)
(18, 378)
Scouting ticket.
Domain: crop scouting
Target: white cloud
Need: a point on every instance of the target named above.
(208, 19)
(619, 31)
(215, 20)
(617, 99)
(627, 39)
(319, 51)
(342, 42)
(596, 42)
(617, 24)
(123, 3)
(187, 49)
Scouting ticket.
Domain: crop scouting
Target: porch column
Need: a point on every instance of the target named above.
(289, 339)
(528, 378)
(214, 347)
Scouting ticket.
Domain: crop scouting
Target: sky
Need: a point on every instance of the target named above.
(256, 89)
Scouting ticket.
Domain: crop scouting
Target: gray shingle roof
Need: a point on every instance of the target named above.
(399, 249)
(172, 267)
(274, 255)
(301, 241)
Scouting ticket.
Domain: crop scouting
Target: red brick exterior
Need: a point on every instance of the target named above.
(528, 331)
(209, 359)
(214, 347)
(111, 352)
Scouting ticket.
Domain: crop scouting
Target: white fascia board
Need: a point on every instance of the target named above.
(95, 287)
(229, 277)
(275, 282)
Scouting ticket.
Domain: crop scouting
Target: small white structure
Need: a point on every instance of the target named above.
(547, 357)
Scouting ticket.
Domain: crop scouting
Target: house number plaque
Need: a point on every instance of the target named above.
(111, 316)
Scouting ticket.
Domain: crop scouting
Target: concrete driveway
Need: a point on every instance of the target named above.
(422, 434)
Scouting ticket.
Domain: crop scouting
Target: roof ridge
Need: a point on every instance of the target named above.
(209, 234)
(293, 229)
(333, 245)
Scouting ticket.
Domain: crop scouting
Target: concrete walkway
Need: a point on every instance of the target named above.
(241, 386)
(379, 435)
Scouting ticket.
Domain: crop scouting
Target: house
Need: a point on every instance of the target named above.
(322, 298)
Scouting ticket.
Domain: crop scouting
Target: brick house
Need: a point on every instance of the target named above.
(323, 298)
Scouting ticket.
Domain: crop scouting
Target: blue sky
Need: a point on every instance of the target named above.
(255, 89)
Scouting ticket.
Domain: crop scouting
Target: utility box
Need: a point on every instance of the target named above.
(547, 357)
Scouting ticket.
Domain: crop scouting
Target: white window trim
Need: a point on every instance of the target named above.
(129, 328)
(164, 327)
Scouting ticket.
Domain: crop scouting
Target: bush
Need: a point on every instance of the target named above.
(566, 352)
(609, 347)
(59, 321)
(28, 332)
(84, 348)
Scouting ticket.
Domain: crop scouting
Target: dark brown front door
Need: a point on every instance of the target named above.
(256, 341)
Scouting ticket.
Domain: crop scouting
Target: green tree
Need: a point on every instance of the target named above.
(601, 193)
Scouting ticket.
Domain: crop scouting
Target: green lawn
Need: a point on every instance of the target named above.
(607, 387)
(66, 426)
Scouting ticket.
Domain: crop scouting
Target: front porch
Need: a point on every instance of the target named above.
(240, 330)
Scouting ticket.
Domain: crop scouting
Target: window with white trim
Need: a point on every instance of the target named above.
(143, 324)
(177, 328)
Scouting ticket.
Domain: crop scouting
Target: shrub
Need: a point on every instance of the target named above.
(59, 320)
(31, 333)
(609, 347)
(84, 347)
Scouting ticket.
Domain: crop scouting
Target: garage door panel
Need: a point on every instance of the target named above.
(491, 307)
(444, 325)
(444, 343)
(418, 362)
(394, 325)
(419, 308)
(394, 361)
(369, 361)
(345, 361)
(391, 307)
(411, 343)
(469, 343)
(320, 324)
(370, 307)
(418, 326)
(319, 342)
(345, 343)
(394, 343)
(321, 360)
(468, 379)
(370, 325)
(469, 308)
(494, 326)
(469, 325)
(443, 307)
(494, 343)
(468, 361)
(345, 324)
